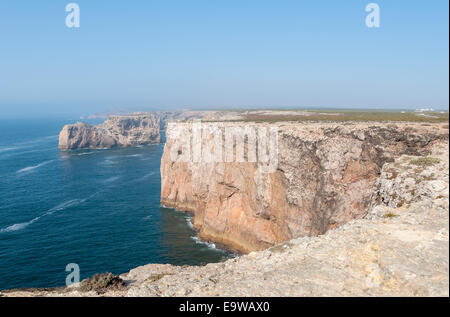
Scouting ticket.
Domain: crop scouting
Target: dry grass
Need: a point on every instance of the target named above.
(101, 283)
(155, 277)
(346, 115)
(425, 161)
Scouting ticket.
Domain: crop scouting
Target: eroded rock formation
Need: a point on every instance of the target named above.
(116, 131)
(324, 178)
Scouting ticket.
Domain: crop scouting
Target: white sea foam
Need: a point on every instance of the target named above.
(208, 244)
(65, 205)
(6, 149)
(111, 180)
(19, 226)
(7, 153)
(189, 222)
(62, 206)
(146, 176)
(108, 161)
(12, 150)
(26, 144)
(148, 159)
(40, 140)
(30, 168)
(84, 153)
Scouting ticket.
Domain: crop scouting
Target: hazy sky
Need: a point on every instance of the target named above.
(136, 55)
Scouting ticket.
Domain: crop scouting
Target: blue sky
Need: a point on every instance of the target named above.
(134, 55)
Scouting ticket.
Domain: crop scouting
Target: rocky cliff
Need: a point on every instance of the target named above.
(396, 249)
(324, 177)
(116, 131)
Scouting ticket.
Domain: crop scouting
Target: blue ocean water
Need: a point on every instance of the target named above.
(97, 208)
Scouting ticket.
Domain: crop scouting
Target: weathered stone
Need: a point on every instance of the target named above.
(324, 178)
(116, 131)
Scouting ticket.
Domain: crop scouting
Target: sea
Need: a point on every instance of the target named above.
(99, 209)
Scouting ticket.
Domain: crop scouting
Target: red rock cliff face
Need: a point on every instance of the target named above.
(323, 178)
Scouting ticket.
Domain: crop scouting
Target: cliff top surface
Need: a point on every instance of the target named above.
(329, 115)
(294, 115)
(316, 129)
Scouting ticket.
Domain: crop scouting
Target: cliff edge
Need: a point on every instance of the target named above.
(323, 178)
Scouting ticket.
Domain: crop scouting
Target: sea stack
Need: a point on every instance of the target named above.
(116, 131)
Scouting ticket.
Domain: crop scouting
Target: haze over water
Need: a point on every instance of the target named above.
(97, 208)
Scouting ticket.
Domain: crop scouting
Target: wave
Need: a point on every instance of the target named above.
(146, 176)
(149, 159)
(26, 144)
(19, 226)
(65, 205)
(60, 207)
(85, 153)
(6, 149)
(16, 153)
(140, 179)
(208, 244)
(30, 168)
(107, 162)
(189, 222)
(39, 140)
(111, 180)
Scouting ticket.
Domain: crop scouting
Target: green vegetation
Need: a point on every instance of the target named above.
(425, 161)
(155, 277)
(345, 115)
(101, 283)
(390, 215)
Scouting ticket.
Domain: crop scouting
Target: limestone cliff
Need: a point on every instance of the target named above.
(116, 131)
(394, 250)
(324, 178)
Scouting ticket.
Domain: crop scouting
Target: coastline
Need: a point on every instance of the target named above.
(426, 216)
